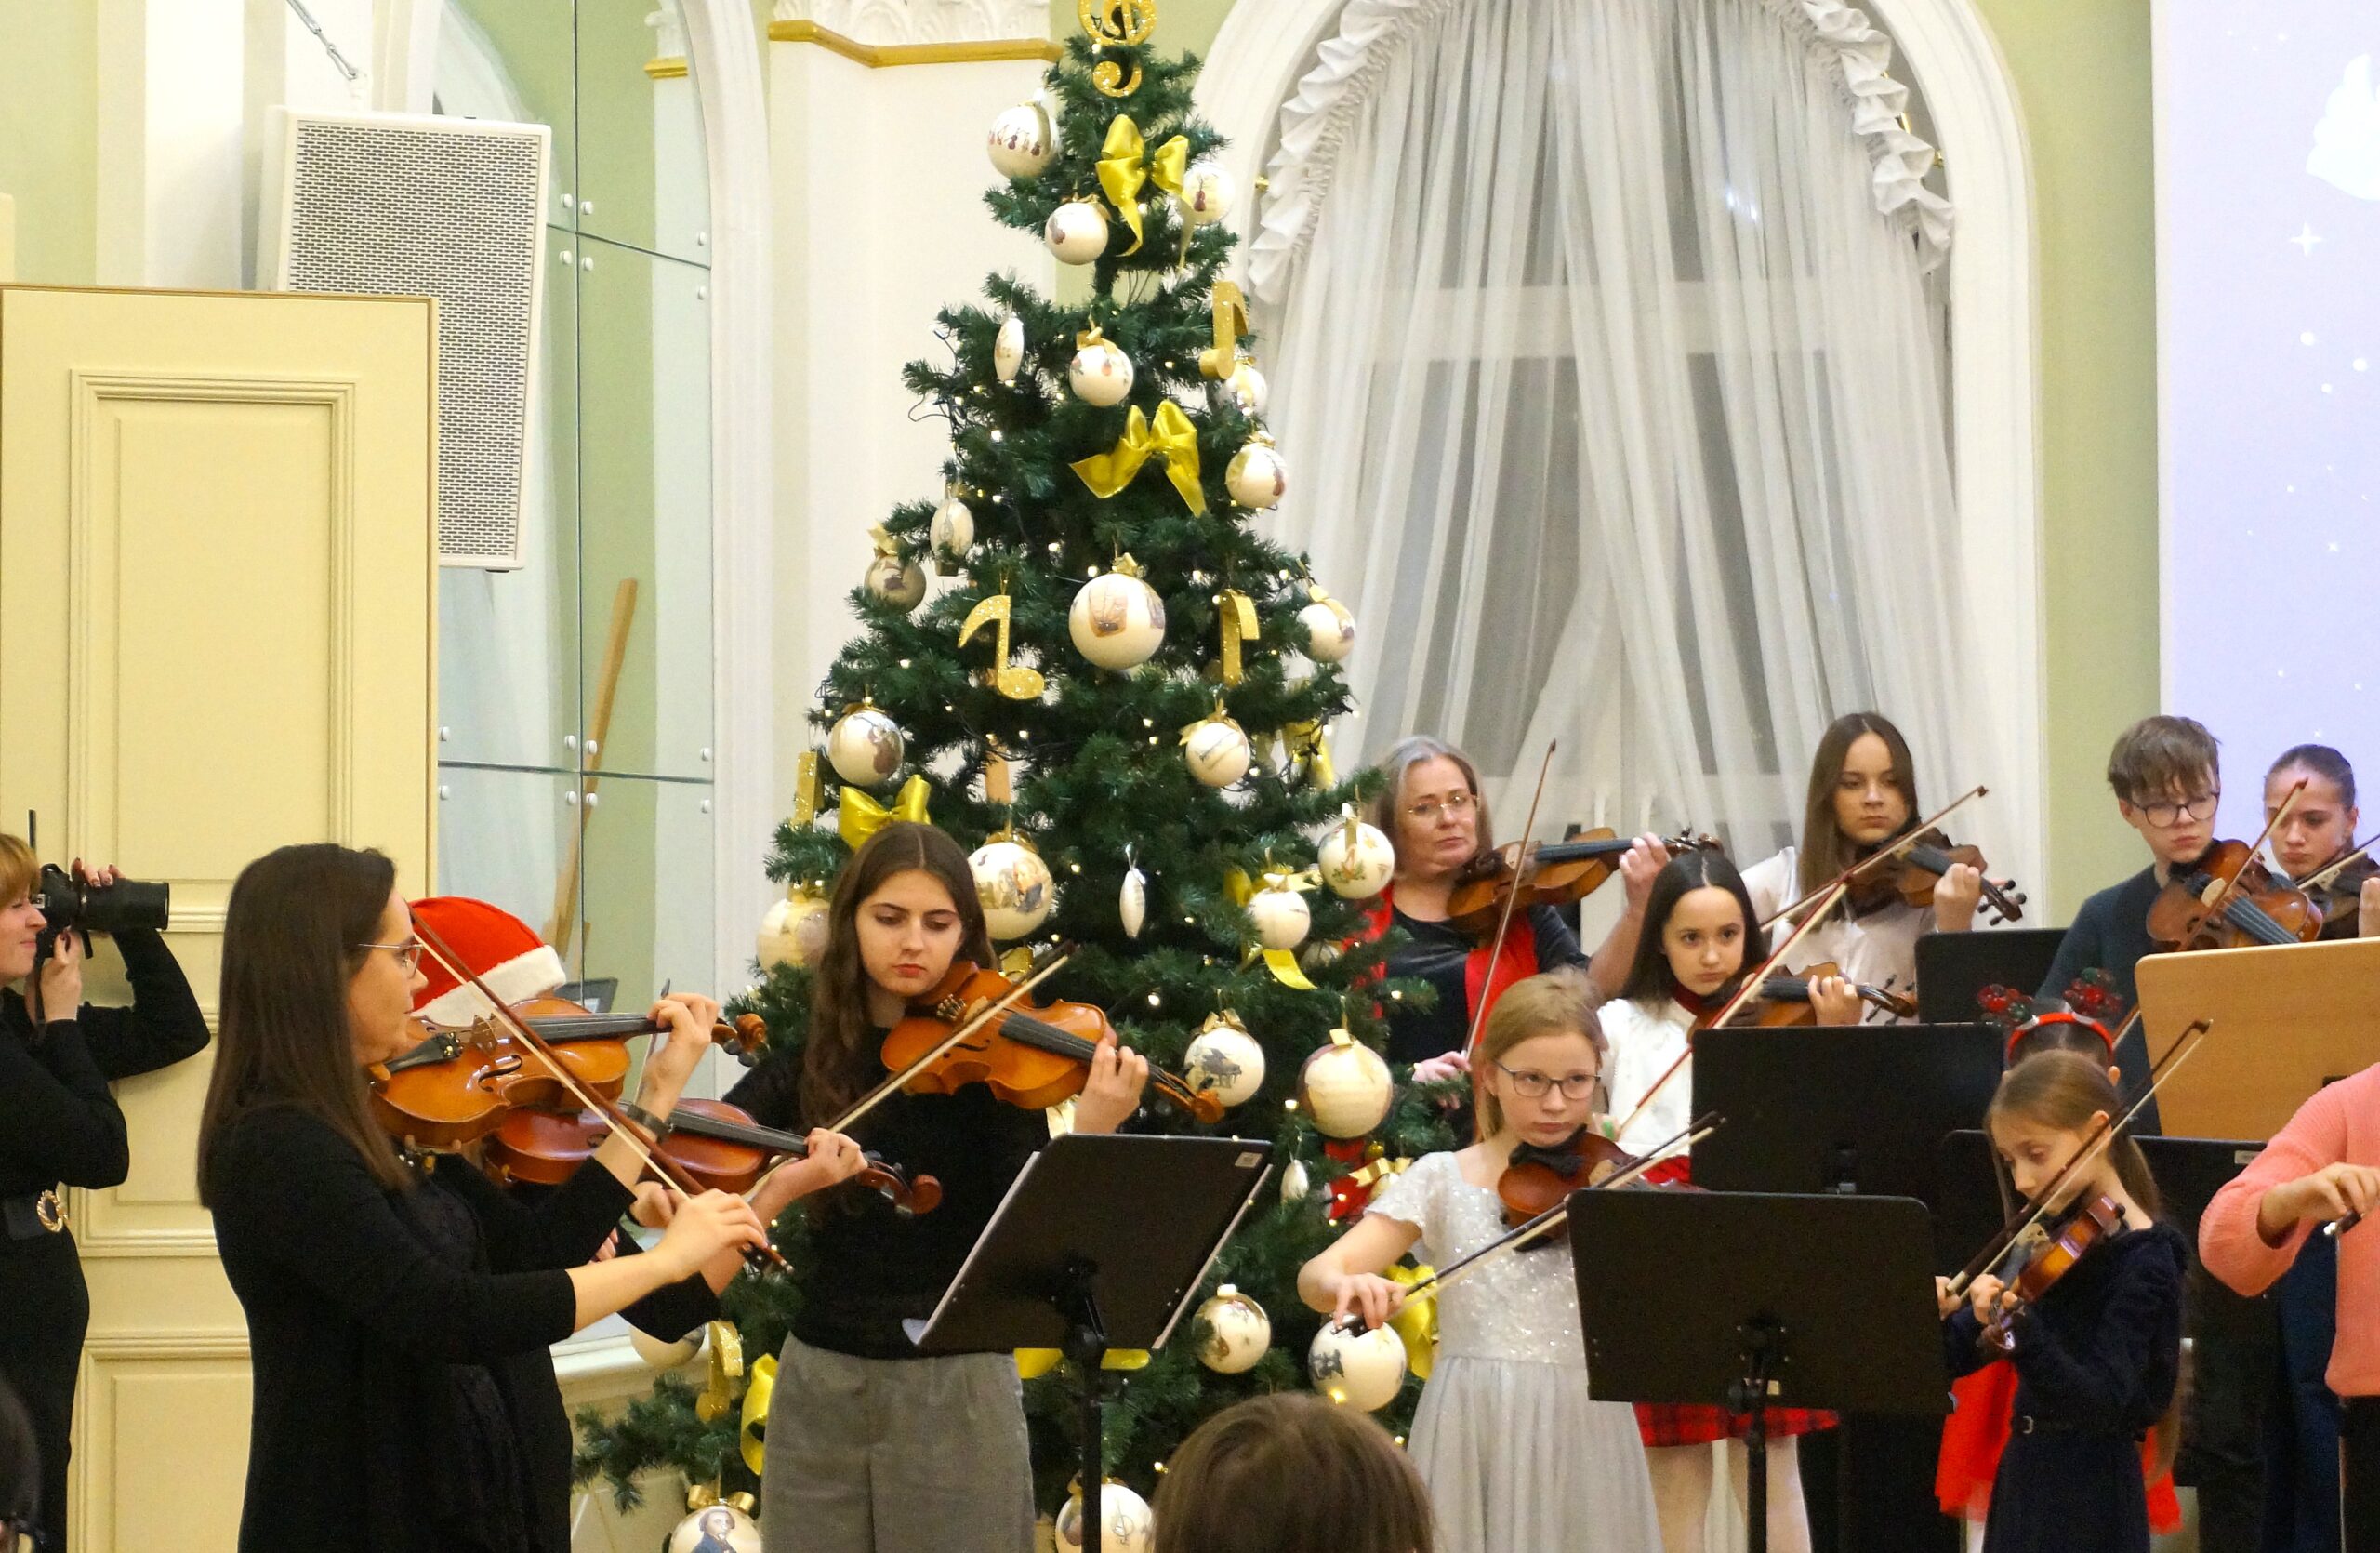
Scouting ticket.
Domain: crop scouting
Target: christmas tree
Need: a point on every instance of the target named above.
(1120, 693)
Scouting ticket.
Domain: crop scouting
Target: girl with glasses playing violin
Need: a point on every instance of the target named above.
(872, 1449)
(1515, 1453)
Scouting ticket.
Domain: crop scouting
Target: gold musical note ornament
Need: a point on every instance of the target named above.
(1016, 683)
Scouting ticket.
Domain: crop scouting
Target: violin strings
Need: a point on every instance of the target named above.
(1889, 850)
(877, 1097)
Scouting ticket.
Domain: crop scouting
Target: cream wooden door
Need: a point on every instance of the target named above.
(216, 605)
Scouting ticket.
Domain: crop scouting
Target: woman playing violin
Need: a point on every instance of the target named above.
(870, 1447)
(399, 1323)
(1434, 813)
(2318, 831)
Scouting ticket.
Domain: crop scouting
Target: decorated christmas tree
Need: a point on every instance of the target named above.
(1118, 691)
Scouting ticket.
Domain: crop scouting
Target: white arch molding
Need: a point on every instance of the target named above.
(1265, 46)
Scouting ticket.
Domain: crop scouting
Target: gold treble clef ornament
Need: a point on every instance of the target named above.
(1117, 23)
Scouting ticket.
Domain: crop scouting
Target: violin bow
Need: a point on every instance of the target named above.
(2097, 1144)
(1745, 993)
(960, 1032)
(1511, 899)
(760, 1259)
(2323, 878)
(1891, 849)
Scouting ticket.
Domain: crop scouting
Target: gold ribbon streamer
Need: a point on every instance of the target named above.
(1416, 1322)
(808, 792)
(1230, 322)
(1238, 613)
(1311, 741)
(1123, 172)
(726, 1369)
(1172, 437)
(1284, 966)
(702, 1496)
(1281, 962)
(748, 1437)
(859, 817)
(1017, 961)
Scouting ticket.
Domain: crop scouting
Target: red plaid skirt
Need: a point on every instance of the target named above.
(1699, 1424)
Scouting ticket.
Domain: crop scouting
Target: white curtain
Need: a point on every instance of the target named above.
(1612, 390)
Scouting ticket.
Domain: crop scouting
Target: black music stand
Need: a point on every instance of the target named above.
(1745, 1300)
(2188, 1172)
(1952, 967)
(1101, 1244)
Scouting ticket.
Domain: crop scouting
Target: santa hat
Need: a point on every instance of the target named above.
(496, 946)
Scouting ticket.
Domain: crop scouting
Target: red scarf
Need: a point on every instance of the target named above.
(1480, 988)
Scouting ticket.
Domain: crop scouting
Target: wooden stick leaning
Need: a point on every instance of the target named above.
(1511, 899)
(1889, 850)
(563, 925)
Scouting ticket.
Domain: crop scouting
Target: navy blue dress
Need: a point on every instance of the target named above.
(2096, 1358)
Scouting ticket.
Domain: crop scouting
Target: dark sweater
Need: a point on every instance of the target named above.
(59, 1124)
(2111, 934)
(357, 1307)
(1440, 954)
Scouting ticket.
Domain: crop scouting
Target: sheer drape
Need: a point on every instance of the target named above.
(1615, 405)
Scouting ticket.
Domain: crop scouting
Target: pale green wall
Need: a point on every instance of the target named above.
(1183, 26)
(49, 136)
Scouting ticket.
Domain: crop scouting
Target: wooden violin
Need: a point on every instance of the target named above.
(1031, 1055)
(1542, 1179)
(718, 1145)
(1555, 875)
(2066, 1238)
(1919, 867)
(2229, 899)
(1784, 1000)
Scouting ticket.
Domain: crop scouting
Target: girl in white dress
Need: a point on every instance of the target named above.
(1514, 1454)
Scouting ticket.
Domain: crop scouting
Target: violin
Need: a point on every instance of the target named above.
(2065, 1241)
(1785, 999)
(1031, 1055)
(1542, 1179)
(718, 1144)
(1919, 867)
(1557, 874)
(2227, 900)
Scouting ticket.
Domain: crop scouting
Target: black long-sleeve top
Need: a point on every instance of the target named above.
(58, 1123)
(357, 1307)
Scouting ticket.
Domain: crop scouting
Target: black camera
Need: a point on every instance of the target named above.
(71, 905)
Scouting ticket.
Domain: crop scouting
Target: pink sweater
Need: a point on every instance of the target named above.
(2339, 1124)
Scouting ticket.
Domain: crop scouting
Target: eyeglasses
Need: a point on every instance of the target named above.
(409, 953)
(1455, 804)
(2165, 816)
(1534, 1085)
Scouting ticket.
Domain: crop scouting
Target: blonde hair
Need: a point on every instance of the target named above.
(1552, 1003)
(1411, 752)
(18, 869)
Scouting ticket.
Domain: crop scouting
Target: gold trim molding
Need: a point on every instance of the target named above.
(875, 57)
(670, 67)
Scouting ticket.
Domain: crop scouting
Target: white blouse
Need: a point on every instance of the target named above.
(1879, 948)
(1646, 1037)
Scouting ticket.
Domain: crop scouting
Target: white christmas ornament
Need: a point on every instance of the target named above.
(1100, 374)
(1117, 620)
(1237, 1332)
(1076, 231)
(660, 1355)
(1217, 751)
(1022, 141)
(1013, 884)
(1345, 1087)
(794, 931)
(1257, 477)
(1295, 1185)
(1330, 629)
(1355, 859)
(952, 534)
(1125, 1523)
(865, 745)
(1224, 1060)
(1008, 349)
(1132, 899)
(1360, 1368)
(1247, 387)
(1281, 917)
(1207, 192)
(716, 1529)
(896, 579)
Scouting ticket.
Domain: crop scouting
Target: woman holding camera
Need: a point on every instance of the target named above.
(59, 1127)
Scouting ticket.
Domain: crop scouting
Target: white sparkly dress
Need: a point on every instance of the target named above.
(1516, 1457)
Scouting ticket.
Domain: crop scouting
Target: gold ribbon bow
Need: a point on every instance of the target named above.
(859, 817)
(702, 1496)
(726, 1369)
(882, 539)
(1172, 437)
(1415, 1322)
(1238, 613)
(1123, 171)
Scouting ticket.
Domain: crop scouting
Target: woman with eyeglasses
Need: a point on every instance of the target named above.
(398, 1317)
(59, 1127)
(1435, 815)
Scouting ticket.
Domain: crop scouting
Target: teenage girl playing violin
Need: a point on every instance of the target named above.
(2098, 1354)
(399, 1324)
(2317, 831)
(872, 1449)
(1515, 1453)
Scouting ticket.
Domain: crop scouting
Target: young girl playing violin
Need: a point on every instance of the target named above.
(399, 1323)
(1514, 1454)
(1699, 934)
(2097, 1355)
(872, 1449)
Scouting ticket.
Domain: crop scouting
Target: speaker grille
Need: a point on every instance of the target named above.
(453, 213)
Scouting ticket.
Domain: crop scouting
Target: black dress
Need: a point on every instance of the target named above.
(2096, 1361)
(59, 1127)
(404, 1401)
(1440, 953)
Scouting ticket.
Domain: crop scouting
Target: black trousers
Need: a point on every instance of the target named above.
(41, 1349)
(2359, 1475)
(2235, 1358)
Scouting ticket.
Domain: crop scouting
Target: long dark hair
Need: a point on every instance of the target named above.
(290, 948)
(1825, 851)
(1289, 1473)
(2321, 761)
(2063, 1089)
(840, 1057)
(1648, 972)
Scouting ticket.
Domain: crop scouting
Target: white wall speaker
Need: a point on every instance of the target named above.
(419, 206)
